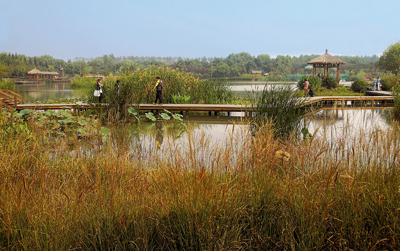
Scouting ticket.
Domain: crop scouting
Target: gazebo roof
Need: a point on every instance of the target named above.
(34, 71)
(326, 59)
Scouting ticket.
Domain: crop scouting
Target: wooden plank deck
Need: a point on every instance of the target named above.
(368, 101)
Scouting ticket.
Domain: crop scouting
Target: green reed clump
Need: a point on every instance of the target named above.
(280, 106)
(137, 87)
(82, 82)
(248, 194)
(396, 97)
(7, 84)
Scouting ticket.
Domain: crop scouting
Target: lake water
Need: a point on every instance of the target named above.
(43, 92)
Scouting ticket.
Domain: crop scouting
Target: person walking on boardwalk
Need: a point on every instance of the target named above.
(378, 84)
(99, 87)
(373, 83)
(159, 88)
(306, 84)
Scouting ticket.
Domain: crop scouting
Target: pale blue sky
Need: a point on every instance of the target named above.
(67, 29)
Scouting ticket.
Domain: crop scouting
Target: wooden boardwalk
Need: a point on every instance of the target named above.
(326, 101)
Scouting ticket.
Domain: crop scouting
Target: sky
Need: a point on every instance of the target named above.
(66, 29)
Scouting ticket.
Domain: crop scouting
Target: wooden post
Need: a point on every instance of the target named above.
(338, 74)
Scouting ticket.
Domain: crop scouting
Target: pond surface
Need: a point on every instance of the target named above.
(332, 125)
(43, 92)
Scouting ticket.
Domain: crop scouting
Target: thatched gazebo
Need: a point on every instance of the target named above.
(326, 61)
(37, 75)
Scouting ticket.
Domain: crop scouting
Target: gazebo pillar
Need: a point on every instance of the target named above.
(338, 74)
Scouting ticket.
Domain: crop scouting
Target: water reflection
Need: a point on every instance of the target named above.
(333, 124)
(43, 92)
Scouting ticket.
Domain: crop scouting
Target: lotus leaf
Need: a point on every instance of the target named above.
(177, 117)
(25, 112)
(150, 116)
(165, 116)
(133, 111)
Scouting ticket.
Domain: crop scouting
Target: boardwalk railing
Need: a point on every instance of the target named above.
(10, 98)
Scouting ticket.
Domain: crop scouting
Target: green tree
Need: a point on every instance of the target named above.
(264, 62)
(83, 68)
(127, 67)
(5, 71)
(223, 70)
(94, 68)
(390, 60)
(106, 70)
(283, 64)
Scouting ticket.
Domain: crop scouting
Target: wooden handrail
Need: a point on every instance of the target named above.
(6, 98)
(11, 96)
(7, 90)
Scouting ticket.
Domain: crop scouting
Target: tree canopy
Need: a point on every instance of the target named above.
(390, 60)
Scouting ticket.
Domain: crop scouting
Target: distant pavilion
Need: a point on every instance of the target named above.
(326, 61)
(37, 75)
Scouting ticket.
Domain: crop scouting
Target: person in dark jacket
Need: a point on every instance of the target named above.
(311, 92)
(159, 88)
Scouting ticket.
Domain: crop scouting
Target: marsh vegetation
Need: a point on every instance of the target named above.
(257, 190)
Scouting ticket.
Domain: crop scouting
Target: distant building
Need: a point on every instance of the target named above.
(36, 75)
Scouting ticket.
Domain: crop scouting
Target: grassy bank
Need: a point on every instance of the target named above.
(254, 194)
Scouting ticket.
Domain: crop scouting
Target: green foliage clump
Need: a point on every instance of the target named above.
(180, 99)
(82, 82)
(338, 91)
(329, 82)
(137, 86)
(279, 106)
(7, 84)
(390, 59)
(64, 123)
(359, 85)
(390, 82)
(314, 81)
(396, 96)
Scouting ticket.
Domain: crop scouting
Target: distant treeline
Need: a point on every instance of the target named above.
(233, 66)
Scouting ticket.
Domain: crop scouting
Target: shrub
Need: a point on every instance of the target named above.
(279, 106)
(7, 84)
(396, 96)
(314, 81)
(83, 82)
(329, 82)
(359, 85)
(390, 82)
(136, 88)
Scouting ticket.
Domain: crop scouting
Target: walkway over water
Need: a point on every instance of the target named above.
(326, 101)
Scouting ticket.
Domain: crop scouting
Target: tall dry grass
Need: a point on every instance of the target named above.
(248, 193)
